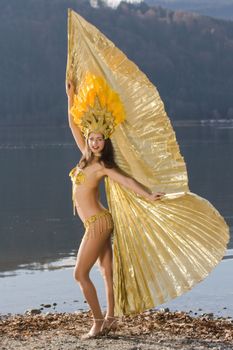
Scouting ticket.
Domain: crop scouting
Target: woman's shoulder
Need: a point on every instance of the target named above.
(103, 168)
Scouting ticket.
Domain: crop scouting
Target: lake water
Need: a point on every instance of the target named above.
(39, 236)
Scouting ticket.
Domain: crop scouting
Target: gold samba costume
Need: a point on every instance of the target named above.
(100, 223)
(161, 248)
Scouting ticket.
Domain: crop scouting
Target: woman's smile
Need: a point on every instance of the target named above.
(96, 142)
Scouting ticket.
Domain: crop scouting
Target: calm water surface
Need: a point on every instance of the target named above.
(39, 235)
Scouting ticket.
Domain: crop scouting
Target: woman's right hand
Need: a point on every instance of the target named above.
(69, 88)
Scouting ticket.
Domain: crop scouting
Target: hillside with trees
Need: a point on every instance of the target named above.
(188, 57)
(214, 8)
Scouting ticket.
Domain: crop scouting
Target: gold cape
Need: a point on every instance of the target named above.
(161, 248)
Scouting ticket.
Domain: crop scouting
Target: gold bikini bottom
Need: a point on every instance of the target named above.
(96, 216)
(99, 226)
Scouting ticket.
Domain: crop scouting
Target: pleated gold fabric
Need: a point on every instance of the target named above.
(161, 248)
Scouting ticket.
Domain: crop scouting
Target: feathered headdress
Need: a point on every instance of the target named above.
(96, 107)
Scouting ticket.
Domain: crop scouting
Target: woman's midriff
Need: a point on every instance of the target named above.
(87, 202)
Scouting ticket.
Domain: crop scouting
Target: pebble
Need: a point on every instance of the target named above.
(33, 312)
(166, 309)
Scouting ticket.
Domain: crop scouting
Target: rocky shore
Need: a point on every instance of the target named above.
(151, 330)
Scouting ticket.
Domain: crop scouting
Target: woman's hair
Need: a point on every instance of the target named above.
(107, 155)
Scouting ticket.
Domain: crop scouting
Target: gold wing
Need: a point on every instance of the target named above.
(161, 248)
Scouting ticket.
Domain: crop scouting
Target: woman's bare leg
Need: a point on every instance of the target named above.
(105, 262)
(91, 246)
(88, 253)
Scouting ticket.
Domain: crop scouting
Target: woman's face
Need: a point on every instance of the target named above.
(96, 142)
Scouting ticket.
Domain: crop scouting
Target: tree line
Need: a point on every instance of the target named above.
(187, 56)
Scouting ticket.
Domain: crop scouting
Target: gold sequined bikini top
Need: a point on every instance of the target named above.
(77, 179)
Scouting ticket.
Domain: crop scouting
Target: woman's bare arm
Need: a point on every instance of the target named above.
(78, 136)
(131, 184)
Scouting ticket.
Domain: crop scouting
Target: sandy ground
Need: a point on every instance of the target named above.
(150, 330)
(54, 341)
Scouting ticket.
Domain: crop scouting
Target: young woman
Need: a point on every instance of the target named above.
(97, 161)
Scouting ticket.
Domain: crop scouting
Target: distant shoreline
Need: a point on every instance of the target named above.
(175, 122)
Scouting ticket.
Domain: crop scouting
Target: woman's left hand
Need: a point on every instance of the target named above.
(157, 195)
